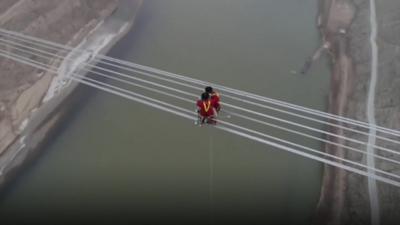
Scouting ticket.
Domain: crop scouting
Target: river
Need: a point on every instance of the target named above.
(114, 160)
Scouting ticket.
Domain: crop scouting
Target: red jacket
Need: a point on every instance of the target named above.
(206, 108)
(215, 98)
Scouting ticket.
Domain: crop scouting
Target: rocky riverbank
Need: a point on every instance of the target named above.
(22, 87)
(345, 26)
(29, 103)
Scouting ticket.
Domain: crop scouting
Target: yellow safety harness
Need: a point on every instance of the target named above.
(207, 106)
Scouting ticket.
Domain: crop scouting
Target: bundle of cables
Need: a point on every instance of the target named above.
(258, 118)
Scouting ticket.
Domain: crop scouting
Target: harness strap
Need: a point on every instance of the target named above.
(207, 106)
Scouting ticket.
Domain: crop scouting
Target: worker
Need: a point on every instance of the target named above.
(215, 98)
(206, 111)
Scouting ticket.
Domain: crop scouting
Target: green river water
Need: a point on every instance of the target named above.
(116, 160)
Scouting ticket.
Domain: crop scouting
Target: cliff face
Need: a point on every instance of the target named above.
(22, 87)
(344, 196)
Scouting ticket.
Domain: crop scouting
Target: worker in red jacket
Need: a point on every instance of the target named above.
(206, 110)
(215, 98)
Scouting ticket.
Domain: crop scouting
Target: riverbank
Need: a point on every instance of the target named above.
(29, 114)
(346, 26)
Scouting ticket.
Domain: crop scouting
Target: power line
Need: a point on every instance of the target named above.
(341, 145)
(270, 117)
(241, 133)
(60, 47)
(230, 105)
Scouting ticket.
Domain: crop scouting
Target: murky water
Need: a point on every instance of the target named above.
(117, 159)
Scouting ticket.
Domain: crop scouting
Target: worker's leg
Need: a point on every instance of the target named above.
(211, 120)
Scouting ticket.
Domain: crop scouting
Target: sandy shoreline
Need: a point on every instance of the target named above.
(336, 18)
